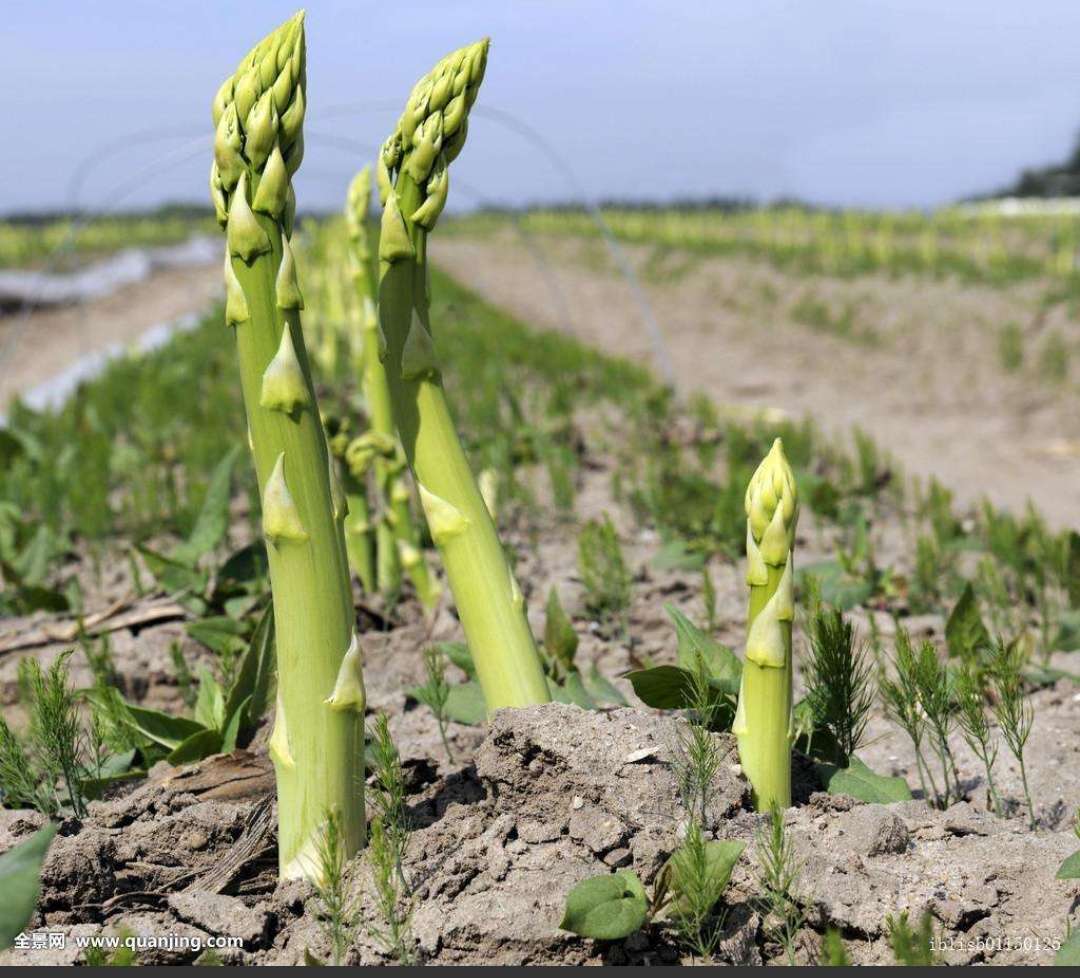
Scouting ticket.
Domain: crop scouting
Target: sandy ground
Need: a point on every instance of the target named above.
(918, 368)
(38, 346)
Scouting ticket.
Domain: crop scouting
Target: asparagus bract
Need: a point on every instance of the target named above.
(397, 540)
(413, 181)
(317, 741)
(763, 721)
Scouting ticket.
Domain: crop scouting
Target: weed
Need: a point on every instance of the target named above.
(1054, 359)
(708, 596)
(50, 767)
(698, 758)
(975, 726)
(833, 952)
(778, 873)
(1011, 347)
(838, 682)
(388, 837)
(603, 571)
(336, 912)
(1012, 709)
(903, 698)
(913, 947)
(435, 693)
(696, 891)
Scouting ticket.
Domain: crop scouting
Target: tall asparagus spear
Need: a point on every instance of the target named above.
(317, 741)
(413, 175)
(397, 541)
(763, 718)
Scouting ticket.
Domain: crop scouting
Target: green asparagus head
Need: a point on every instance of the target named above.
(258, 117)
(772, 508)
(431, 131)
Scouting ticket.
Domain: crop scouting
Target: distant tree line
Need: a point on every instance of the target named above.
(1057, 180)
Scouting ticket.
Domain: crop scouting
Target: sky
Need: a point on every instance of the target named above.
(900, 103)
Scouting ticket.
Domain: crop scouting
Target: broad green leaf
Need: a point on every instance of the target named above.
(676, 554)
(237, 720)
(172, 575)
(606, 908)
(576, 692)
(672, 688)
(557, 691)
(1068, 631)
(244, 569)
(560, 639)
(458, 653)
(20, 883)
(31, 599)
(662, 687)
(694, 645)
(466, 704)
(116, 767)
(1048, 675)
(859, 782)
(255, 672)
(1070, 869)
(196, 747)
(162, 728)
(601, 689)
(210, 704)
(219, 633)
(1069, 952)
(720, 859)
(212, 523)
(838, 588)
(965, 633)
(32, 564)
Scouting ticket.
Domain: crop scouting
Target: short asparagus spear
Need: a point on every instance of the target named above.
(413, 174)
(397, 540)
(763, 718)
(317, 741)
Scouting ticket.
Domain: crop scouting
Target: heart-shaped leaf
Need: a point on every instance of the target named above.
(859, 782)
(1070, 869)
(466, 704)
(606, 908)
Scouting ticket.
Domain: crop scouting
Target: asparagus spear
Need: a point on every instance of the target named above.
(397, 541)
(413, 175)
(317, 741)
(763, 718)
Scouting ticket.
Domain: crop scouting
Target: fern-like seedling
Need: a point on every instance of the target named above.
(838, 682)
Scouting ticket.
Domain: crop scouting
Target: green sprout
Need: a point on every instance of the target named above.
(258, 115)
(413, 175)
(763, 721)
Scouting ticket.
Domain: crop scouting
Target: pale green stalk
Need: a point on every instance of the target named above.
(317, 741)
(763, 723)
(413, 179)
(397, 540)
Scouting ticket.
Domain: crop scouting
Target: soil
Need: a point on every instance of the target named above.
(553, 795)
(918, 367)
(546, 797)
